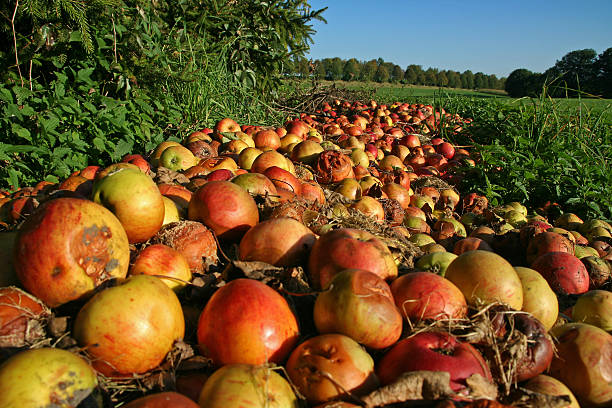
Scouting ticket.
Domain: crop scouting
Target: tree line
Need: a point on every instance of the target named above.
(378, 70)
(580, 72)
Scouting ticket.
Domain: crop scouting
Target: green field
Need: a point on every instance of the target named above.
(388, 93)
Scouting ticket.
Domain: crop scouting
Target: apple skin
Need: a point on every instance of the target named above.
(428, 296)
(594, 307)
(154, 159)
(583, 362)
(130, 328)
(161, 260)
(349, 248)
(139, 161)
(68, 247)
(436, 262)
(565, 273)
(283, 179)
(162, 400)
(547, 385)
(538, 298)
(255, 183)
(360, 305)
(268, 159)
(259, 321)
(545, 242)
(225, 207)
(335, 356)
(46, 377)
(306, 151)
(277, 241)
(245, 385)
(485, 277)
(420, 352)
(135, 199)
(227, 125)
(20, 317)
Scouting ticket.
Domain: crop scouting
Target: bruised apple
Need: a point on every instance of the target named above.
(246, 385)
(45, 377)
(485, 277)
(349, 248)
(547, 385)
(135, 199)
(594, 307)
(359, 304)
(565, 273)
(428, 296)
(256, 318)
(21, 317)
(433, 351)
(277, 241)
(68, 247)
(129, 328)
(225, 207)
(583, 362)
(330, 366)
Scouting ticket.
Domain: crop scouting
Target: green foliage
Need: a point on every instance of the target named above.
(540, 152)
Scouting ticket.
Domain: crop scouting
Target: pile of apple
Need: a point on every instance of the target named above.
(146, 257)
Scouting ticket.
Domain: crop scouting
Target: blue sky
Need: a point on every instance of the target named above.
(494, 37)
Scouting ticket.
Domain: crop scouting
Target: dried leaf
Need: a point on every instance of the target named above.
(415, 385)
(480, 387)
(524, 398)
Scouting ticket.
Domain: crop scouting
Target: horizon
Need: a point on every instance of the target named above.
(492, 40)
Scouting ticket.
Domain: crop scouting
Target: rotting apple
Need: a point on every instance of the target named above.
(330, 366)
(68, 247)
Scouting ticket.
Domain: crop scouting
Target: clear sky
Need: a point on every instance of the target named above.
(493, 37)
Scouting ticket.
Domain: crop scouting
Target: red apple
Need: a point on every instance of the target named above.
(255, 184)
(283, 179)
(428, 296)
(563, 271)
(359, 304)
(225, 207)
(433, 351)
(277, 241)
(259, 321)
(348, 248)
(162, 261)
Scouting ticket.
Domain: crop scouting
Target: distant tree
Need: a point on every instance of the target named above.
(382, 74)
(603, 73)
(368, 70)
(467, 79)
(480, 82)
(431, 76)
(573, 73)
(397, 73)
(380, 61)
(334, 69)
(351, 70)
(454, 79)
(421, 80)
(319, 72)
(522, 82)
(492, 81)
(442, 79)
(411, 74)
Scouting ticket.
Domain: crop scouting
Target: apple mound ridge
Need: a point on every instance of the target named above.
(328, 261)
